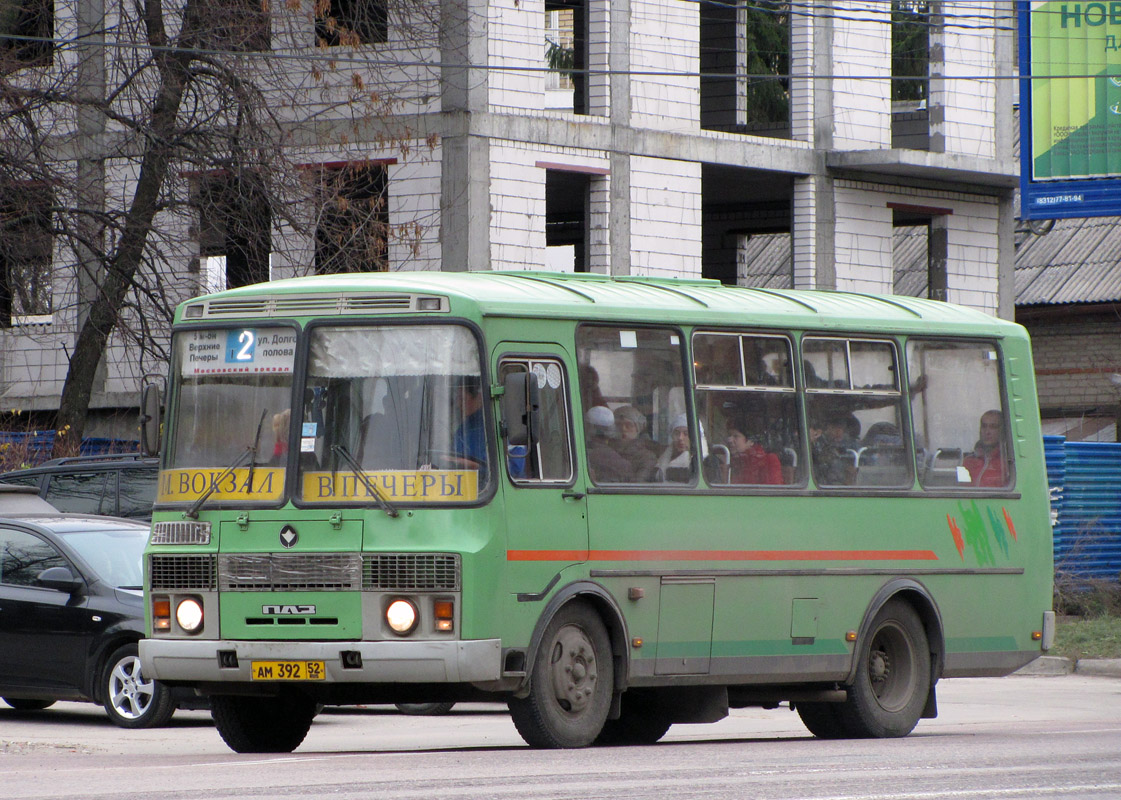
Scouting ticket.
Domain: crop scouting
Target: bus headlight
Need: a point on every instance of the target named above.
(401, 616)
(189, 615)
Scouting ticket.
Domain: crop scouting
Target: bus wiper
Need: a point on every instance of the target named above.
(356, 468)
(193, 511)
(249, 454)
(256, 444)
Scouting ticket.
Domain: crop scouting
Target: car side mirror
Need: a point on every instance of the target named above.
(521, 408)
(150, 419)
(60, 579)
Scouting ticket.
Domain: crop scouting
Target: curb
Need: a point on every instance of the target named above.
(1057, 665)
(1047, 665)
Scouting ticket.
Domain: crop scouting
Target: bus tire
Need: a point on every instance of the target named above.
(570, 683)
(822, 719)
(892, 676)
(263, 724)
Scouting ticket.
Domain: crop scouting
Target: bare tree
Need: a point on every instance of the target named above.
(148, 140)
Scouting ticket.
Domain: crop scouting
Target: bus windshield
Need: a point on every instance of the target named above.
(395, 412)
(234, 389)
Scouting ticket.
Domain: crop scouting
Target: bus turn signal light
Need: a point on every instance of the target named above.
(1037, 636)
(444, 611)
(161, 614)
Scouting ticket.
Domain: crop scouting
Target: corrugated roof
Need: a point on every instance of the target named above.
(1076, 261)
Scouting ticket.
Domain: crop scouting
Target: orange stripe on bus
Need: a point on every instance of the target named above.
(721, 555)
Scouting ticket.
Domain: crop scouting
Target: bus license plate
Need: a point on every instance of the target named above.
(287, 671)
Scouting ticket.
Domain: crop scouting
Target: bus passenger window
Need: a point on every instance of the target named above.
(547, 456)
(961, 429)
(855, 408)
(636, 428)
(746, 399)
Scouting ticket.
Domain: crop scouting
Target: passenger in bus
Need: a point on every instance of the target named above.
(676, 462)
(750, 463)
(882, 444)
(633, 445)
(604, 464)
(988, 463)
(834, 451)
(281, 423)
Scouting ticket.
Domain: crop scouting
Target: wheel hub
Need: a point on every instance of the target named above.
(574, 670)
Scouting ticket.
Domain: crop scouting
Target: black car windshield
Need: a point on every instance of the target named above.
(113, 554)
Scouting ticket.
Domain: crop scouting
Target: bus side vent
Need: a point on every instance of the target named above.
(182, 572)
(399, 572)
(289, 572)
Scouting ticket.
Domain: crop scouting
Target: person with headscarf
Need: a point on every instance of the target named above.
(677, 459)
(604, 464)
(632, 445)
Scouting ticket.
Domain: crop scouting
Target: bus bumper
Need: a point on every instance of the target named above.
(192, 661)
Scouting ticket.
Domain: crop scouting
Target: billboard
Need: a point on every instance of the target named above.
(1070, 109)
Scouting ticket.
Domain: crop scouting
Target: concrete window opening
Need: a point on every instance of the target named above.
(235, 230)
(352, 231)
(745, 67)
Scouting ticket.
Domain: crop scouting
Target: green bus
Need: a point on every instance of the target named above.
(612, 503)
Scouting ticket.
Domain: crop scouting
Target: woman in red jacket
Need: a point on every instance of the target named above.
(750, 463)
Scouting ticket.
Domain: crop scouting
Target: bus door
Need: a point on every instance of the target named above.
(546, 513)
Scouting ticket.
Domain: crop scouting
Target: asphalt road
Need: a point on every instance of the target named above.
(1017, 737)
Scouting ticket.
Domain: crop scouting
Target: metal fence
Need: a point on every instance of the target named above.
(1085, 482)
(35, 446)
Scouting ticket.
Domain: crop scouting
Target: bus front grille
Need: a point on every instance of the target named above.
(176, 572)
(410, 572)
(290, 572)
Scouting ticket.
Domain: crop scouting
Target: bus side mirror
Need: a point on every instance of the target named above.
(521, 408)
(150, 419)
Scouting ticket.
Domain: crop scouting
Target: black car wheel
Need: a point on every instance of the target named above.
(130, 699)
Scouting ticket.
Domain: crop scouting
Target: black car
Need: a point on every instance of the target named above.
(118, 485)
(71, 614)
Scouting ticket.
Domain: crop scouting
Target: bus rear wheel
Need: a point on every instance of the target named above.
(892, 678)
(640, 721)
(263, 724)
(822, 719)
(570, 682)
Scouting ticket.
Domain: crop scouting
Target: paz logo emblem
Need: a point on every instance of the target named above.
(288, 537)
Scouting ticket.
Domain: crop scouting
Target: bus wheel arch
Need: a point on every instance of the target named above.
(916, 595)
(610, 614)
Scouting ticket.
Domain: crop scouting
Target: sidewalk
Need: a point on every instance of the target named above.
(1056, 665)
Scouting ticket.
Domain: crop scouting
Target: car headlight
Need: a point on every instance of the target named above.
(401, 616)
(189, 615)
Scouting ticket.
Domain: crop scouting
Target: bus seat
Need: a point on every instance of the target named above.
(942, 467)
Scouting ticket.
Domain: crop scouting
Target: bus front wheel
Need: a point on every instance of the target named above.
(570, 682)
(263, 724)
(892, 677)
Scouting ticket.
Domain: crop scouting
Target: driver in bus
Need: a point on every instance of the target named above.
(469, 441)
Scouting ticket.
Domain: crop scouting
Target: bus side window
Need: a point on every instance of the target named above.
(960, 425)
(546, 457)
(747, 404)
(855, 406)
(635, 417)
